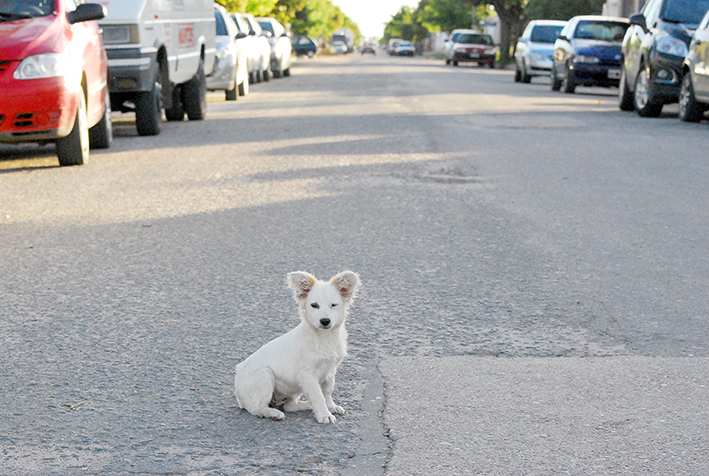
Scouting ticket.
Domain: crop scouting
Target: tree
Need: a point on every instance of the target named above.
(561, 9)
(447, 15)
(511, 14)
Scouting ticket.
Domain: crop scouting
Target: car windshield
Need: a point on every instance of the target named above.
(601, 30)
(266, 26)
(545, 33)
(475, 39)
(685, 11)
(221, 26)
(17, 9)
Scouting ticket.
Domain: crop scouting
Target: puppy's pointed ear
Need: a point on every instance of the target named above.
(346, 283)
(301, 283)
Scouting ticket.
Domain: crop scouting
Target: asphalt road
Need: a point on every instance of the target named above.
(499, 229)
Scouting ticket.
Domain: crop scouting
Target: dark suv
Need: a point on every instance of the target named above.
(653, 50)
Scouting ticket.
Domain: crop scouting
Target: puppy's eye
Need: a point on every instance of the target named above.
(334, 304)
(315, 305)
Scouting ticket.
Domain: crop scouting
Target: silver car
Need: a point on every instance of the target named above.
(230, 70)
(535, 49)
(694, 90)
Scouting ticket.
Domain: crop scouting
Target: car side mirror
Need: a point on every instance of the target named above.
(639, 19)
(286, 34)
(240, 35)
(87, 12)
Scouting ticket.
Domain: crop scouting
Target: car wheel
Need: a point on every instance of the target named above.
(569, 82)
(232, 94)
(266, 75)
(312, 53)
(525, 77)
(177, 111)
(448, 61)
(244, 87)
(73, 149)
(195, 95)
(491, 65)
(286, 72)
(101, 135)
(689, 109)
(626, 102)
(555, 82)
(148, 110)
(645, 102)
(518, 73)
(455, 63)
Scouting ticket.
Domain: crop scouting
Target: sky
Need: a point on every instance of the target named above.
(372, 15)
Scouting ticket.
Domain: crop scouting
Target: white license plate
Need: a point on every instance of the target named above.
(614, 73)
(474, 55)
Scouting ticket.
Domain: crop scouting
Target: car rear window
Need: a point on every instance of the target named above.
(266, 26)
(601, 30)
(545, 33)
(475, 39)
(685, 11)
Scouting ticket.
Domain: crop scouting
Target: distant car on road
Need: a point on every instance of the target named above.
(368, 48)
(405, 48)
(304, 46)
(653, 51)
(471, 46)
(338, 47)
(534, 52)
(281, 49)
(231, 72)
(694, 91)
(53, 86)
(587, 53)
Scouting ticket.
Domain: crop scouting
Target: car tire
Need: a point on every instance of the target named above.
(569, 81)
(266, 75)
(518, 73)
(455, 63)
(101, 135)
(448, 62)
(194, 94)
(148, 110)
(286, 72)
(244, 88)
(73, 149)
(177, 111)
(525, 77)
(312, 53)
(555, 82)
(690, 110)
(645, 102)
(626, 101)
(232, 94)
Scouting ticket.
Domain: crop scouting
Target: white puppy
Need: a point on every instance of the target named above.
(303, 361)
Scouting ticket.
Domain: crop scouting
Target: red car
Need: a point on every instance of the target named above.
(53, 77)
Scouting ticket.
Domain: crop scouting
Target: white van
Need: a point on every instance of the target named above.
(158, 52)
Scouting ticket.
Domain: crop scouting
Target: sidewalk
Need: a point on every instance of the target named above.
(544, 416)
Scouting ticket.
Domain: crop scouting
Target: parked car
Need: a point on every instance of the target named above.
(534, 52)
(281, 49)
(305, 46)
(473, 46)
(405, 48)
(368, 48)
(153, 64)
(587, 53)
(653, 52)
(694, 89)
(257, 47)
(338, 48)
(53, 81)
(231, 72)
(393, 42)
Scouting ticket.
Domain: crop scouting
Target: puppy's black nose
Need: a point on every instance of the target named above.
(324, 322)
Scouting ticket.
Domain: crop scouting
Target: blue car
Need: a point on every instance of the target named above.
(587, 53)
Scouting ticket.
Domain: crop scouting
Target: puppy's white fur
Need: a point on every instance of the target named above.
(303, 361)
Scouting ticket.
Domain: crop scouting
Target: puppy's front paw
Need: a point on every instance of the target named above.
(337, 409)
(328, 418)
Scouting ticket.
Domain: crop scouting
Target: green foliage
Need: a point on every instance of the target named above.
(447, 15)
(561, 9)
